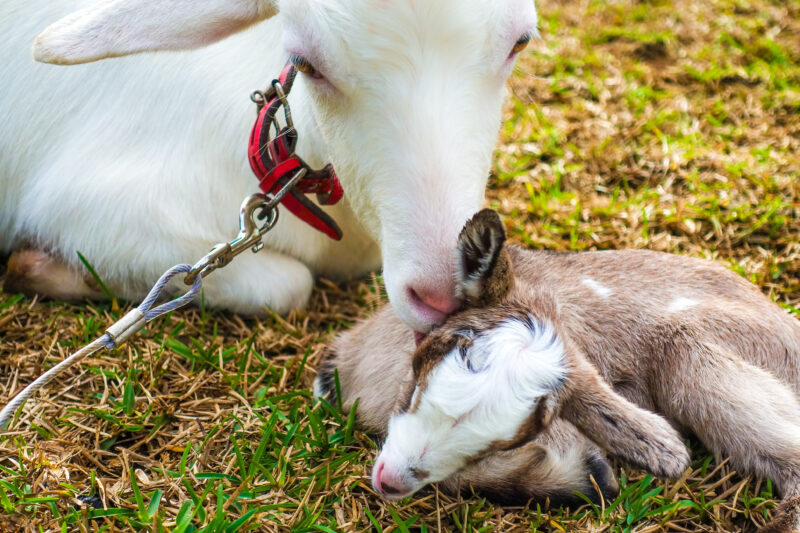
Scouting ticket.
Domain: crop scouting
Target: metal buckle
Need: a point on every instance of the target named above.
(262, 98)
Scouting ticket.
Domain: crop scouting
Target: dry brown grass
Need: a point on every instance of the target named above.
(672, 125)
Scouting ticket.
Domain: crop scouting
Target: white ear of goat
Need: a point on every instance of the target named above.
(123, 27)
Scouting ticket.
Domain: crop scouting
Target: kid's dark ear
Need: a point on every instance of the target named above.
(484, 275)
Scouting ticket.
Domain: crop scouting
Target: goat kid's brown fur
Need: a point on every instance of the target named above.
(644, 332)
(373, 362)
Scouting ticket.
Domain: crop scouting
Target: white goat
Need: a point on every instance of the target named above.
(596, 339)
(140, 162)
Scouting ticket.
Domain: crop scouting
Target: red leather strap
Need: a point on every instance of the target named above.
(274, 163)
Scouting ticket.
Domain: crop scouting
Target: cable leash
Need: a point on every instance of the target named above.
(281, 174)
(256, 206)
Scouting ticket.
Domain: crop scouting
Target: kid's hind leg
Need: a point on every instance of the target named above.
(742, 412)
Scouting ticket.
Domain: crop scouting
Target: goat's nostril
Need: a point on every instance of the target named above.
(388, 482)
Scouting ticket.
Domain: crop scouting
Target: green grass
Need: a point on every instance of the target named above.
(669, 124)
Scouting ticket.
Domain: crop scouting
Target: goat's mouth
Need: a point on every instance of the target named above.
(392, 494)
(419, 337)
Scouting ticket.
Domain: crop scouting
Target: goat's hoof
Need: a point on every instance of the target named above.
(786, 518)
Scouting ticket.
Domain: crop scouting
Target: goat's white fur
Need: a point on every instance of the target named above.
(122, 27)
(139, 162)
(599, 289)
(464, 409)
(681, 303)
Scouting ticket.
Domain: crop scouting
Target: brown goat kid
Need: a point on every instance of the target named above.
(373, 362)
(600, 341)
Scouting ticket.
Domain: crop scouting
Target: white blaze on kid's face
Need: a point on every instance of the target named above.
(476, 396)
(408, 101)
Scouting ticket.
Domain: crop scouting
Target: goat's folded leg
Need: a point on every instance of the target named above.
(249, 285)
(255, 282)
(739, 411)
(373, 363)
(32, 271)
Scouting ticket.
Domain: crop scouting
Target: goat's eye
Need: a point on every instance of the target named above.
(521, 44)
(303, 65)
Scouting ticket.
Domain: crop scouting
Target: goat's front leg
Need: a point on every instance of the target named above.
(255, 282)
(740, 411)
(786, 518)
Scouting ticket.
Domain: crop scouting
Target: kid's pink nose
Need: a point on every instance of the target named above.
(388, 482)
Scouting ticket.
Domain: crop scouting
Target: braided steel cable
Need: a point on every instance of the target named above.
(115, 335)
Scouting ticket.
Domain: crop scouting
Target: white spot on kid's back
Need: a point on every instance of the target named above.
(599, 289)
(681, 304)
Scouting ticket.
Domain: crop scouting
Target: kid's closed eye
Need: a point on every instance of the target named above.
(463, 353)
(465, 343)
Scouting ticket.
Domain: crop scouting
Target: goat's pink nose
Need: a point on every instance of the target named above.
(433, 306)
(388, 482)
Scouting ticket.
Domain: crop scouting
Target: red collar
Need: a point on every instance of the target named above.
(274, 162)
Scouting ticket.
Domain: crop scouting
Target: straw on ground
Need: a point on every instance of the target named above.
(667, 124)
